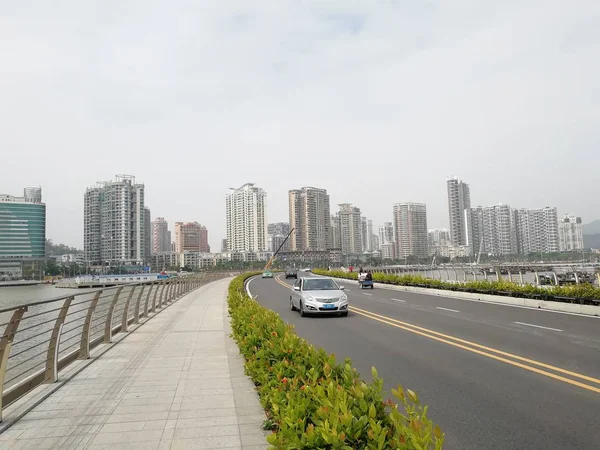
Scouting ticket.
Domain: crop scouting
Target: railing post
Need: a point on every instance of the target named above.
(153, 310)
(125, 322)
(84, 349)
(51, 374)
(109, 318)
(6, 345)
(136, 312)
(521, 277)
(170, 291)
(146, 312)
(537, 278)
(509, 276)
(161, 298)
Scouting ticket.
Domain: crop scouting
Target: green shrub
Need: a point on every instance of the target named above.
(314, 402)
(581, 292)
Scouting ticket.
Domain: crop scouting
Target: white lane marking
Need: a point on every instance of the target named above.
(367, 294)
(248, 287)
(447, 309)
(398, 300)
(537, 326)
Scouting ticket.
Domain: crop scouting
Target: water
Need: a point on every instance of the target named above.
(20, 295)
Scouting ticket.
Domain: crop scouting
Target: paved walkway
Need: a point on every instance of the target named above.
(175, 383)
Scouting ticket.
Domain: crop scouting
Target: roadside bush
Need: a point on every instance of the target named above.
(579, 293)
(314, 402)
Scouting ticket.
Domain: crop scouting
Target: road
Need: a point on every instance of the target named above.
(494, 376)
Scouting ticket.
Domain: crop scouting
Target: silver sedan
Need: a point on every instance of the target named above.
(318, 296)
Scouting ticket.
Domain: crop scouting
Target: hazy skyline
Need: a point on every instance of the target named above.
(377, 102)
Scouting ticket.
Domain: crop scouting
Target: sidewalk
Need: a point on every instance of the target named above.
(175, 383)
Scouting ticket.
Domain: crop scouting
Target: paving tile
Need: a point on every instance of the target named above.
(128, 436)
(203, 443)
(224, 430)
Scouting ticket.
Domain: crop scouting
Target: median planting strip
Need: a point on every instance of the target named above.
(312, 401)
(584, 294)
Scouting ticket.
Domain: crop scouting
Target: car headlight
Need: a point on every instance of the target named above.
(344, 298)
(308, 298)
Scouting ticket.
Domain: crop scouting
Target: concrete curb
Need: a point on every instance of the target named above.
(568, 308)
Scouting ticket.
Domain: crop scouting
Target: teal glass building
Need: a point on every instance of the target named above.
(23, 225)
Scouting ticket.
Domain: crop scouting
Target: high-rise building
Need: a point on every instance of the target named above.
(278, 228)
(386, 233)
(494, 230)
(114, 225)
(161, 236)
(410, 230)
(570, 230)
(309, 216)
(439, 241)
(336, 232)
(191, 237)
(459, 205)
(376, 243)
(275, 241)
(147, 235)
(367, 234)
(276, 234)
(224, 245)
(246, 210)
(537, 230)
(23, 225)
(350, 229)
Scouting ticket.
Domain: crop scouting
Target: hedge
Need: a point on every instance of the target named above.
(311, 401)
(579, 293)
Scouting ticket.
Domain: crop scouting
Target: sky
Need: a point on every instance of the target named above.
(378, 102)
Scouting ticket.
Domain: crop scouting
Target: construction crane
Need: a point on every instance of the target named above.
(275, 254)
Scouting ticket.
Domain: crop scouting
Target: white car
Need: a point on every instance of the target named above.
(318, 296)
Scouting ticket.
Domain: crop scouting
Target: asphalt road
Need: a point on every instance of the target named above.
(494, 377)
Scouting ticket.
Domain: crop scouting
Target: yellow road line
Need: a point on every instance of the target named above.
(488, 355)
(483, 347)
(464, 344)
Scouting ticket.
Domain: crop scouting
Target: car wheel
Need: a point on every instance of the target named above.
(302, 313)
(371, 286)
(292, 307)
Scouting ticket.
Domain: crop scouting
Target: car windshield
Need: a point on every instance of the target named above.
(320, 284)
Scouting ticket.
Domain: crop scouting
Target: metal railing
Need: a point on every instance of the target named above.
(41, 338)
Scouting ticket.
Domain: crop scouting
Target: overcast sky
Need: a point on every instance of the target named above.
(376, 101)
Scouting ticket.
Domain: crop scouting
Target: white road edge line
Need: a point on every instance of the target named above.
(447, 309)
(398, 300)
(367, 294)
(248, 289)
(537, 326)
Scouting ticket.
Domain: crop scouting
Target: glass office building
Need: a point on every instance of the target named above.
(23, 225)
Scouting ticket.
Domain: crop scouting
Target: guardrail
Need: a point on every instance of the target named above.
(41, 338)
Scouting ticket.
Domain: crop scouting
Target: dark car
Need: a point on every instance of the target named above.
(291, 273)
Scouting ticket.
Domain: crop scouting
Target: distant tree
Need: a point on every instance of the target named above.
(59, 249)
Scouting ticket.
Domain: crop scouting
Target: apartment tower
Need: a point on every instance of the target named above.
(246, 217)
(459, 204)
(410, 230)
(310, 217)
(114, 222)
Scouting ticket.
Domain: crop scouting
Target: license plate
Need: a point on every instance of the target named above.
(329, 306)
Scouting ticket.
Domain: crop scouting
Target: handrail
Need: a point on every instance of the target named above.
(87, 291)
(39, 356)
